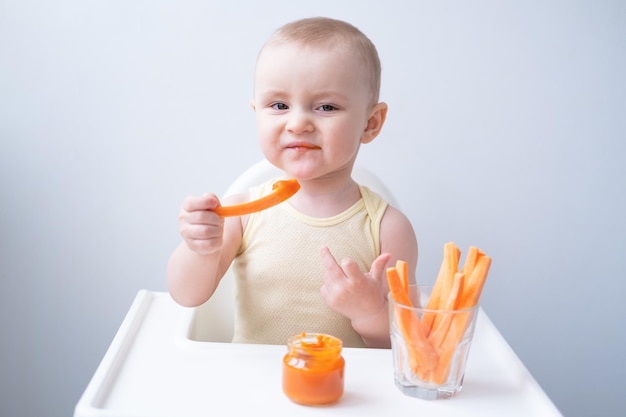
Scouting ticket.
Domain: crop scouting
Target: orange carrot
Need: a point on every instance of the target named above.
(439, 333)
(470, 260)
(443, 283)
(403, 271)
(459, 322)
(447, 350)
(433, 341)
(396, 288)
(476, 281)
(281, 191)
(422, 356)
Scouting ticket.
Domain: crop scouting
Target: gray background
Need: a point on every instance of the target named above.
(505, 131)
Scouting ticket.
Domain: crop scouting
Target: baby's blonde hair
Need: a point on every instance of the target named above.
(318, 32)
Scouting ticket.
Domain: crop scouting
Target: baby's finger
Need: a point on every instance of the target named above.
(201, 232)
(379, 266)
(203, 217)
(329, 261)
(206, 202)
(351, 269)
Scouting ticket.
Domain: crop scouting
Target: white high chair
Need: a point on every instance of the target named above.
(213, 321)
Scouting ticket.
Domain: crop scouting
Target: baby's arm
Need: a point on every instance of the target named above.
(362, 297)
(209, 244)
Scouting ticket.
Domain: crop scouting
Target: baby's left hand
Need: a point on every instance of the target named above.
(351, 292)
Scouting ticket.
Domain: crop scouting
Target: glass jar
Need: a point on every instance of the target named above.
(313, 369)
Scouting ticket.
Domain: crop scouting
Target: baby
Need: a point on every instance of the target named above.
(315, 263)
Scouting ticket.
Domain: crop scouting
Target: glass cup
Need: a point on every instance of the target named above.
(429, 347)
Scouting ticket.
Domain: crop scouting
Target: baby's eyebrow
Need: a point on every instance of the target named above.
(329, 95)
(318, 97)
(269, 90)
(271, 94)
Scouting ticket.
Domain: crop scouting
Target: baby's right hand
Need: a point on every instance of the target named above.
(200, 227)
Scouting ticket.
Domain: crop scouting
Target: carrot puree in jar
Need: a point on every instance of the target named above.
(313, 369)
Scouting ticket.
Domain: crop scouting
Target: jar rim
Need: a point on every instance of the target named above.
(315, 341)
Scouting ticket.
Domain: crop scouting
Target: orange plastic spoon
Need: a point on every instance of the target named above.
(281, 191)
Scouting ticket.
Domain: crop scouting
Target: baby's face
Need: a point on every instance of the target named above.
(312, 108)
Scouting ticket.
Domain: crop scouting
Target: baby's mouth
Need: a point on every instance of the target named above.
(302, 146)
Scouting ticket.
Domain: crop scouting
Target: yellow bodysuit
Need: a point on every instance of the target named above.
(279, 272)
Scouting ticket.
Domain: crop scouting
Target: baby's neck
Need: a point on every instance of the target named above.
(318, 201)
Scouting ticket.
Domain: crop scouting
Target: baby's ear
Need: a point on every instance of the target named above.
(378, 114)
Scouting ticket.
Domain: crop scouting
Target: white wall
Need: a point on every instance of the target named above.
(506, 131)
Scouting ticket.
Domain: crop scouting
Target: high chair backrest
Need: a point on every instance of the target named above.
(214, 320)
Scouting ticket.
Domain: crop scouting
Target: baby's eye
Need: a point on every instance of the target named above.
(327, 107)
(280, 106)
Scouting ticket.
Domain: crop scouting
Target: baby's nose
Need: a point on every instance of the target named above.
(299, 122)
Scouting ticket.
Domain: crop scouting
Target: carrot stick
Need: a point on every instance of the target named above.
(435, 298)
(403, 271)
(443, 284)
(422, 356)
(470, 260)
(476, 281)
(433, 340)
(449, 346)
(438, 334)
(281, 191)
(460, 321)
(396, 288)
